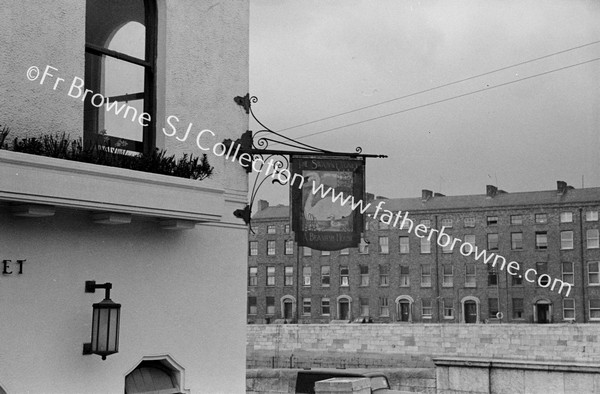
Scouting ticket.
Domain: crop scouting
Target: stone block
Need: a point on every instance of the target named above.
(343, 385)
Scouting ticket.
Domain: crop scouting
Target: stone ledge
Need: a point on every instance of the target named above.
(548, 366)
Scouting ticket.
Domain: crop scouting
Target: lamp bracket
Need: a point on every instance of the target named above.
(91, 286)
(255, 145)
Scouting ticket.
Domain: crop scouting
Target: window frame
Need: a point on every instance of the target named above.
(595, 272)
(595, 239)
(404, 276)
(148, 143)
(253, 276)
(564, 241)
(271, 251)
(404, 244)
(541, 245)
(384, 244)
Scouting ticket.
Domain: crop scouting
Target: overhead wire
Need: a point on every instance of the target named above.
(446, 99)
(440, 86)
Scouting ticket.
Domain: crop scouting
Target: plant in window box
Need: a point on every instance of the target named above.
(62, 147)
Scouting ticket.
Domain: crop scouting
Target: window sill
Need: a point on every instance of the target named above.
(445, 285)
(31, 179)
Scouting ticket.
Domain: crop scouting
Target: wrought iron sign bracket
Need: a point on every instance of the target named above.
(252, 152)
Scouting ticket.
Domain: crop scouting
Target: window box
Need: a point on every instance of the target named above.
(31, 179)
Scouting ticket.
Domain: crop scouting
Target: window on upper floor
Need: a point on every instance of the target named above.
(288, 279)
(492, 241)
(541, 240)
(594, 309)
(592, 239)
(384, 245)
(470, 276)
(404, 245)
(345, 251)
(543, 280)
(404, 276)
(593, 273)
(364, 275)
(289, 247)
(271, 229)
(253, 248)
(541, 218)
(516, 219)
(306, 275)
(566, 217)
(568, 273)
(271, 248)
(447, 223)
(517, 310)
(591, 216)
(325, 253)
(270, 276)
(469, 222)
(492, 220)
(566, 240)
(306, 251)
(325, 275)
(384, 275)
(492, 276)
(425, 245)
(516, 241)
(253, 276)
(425, 275)
(344, 276)
(448, 275)
(120, 53)
(286, 229)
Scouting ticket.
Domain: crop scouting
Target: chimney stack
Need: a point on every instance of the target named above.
(491, 191)
(561, 187)
(262, 205)
(426, 195)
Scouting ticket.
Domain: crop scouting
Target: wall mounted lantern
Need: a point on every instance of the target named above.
(105, 323)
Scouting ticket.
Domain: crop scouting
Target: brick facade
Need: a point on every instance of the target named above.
(546, 231)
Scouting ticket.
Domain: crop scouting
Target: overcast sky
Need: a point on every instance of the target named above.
(314, 59)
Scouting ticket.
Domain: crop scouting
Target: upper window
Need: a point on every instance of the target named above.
(384, 245)
(492, 220)
(325, 253)
(541, 240)
(593, 238)
(566, 217)
(404, 245)
(271, 229)
(591, 216)
(492, 241)
(306, 251)
(447, 223)
(289, 247)
(253, 248)
(469, 222)
(541, 218)
(516, 241)
(566, 239)
(119, 69)
(271, 248)
(516, 219)
(286, 229)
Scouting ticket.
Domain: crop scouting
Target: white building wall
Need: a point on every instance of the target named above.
(183, 293)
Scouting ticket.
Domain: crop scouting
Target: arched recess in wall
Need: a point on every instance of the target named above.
(469, 310)
(404, 307)
(288, 307)
(344, 307)
(156, 374)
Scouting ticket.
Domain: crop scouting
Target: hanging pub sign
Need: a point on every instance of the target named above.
(326, 196)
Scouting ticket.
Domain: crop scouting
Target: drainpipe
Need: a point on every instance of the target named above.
(298, 283)
(437, 275)
(582, 263)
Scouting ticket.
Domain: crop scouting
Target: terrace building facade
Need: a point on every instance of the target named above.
(395, 276)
